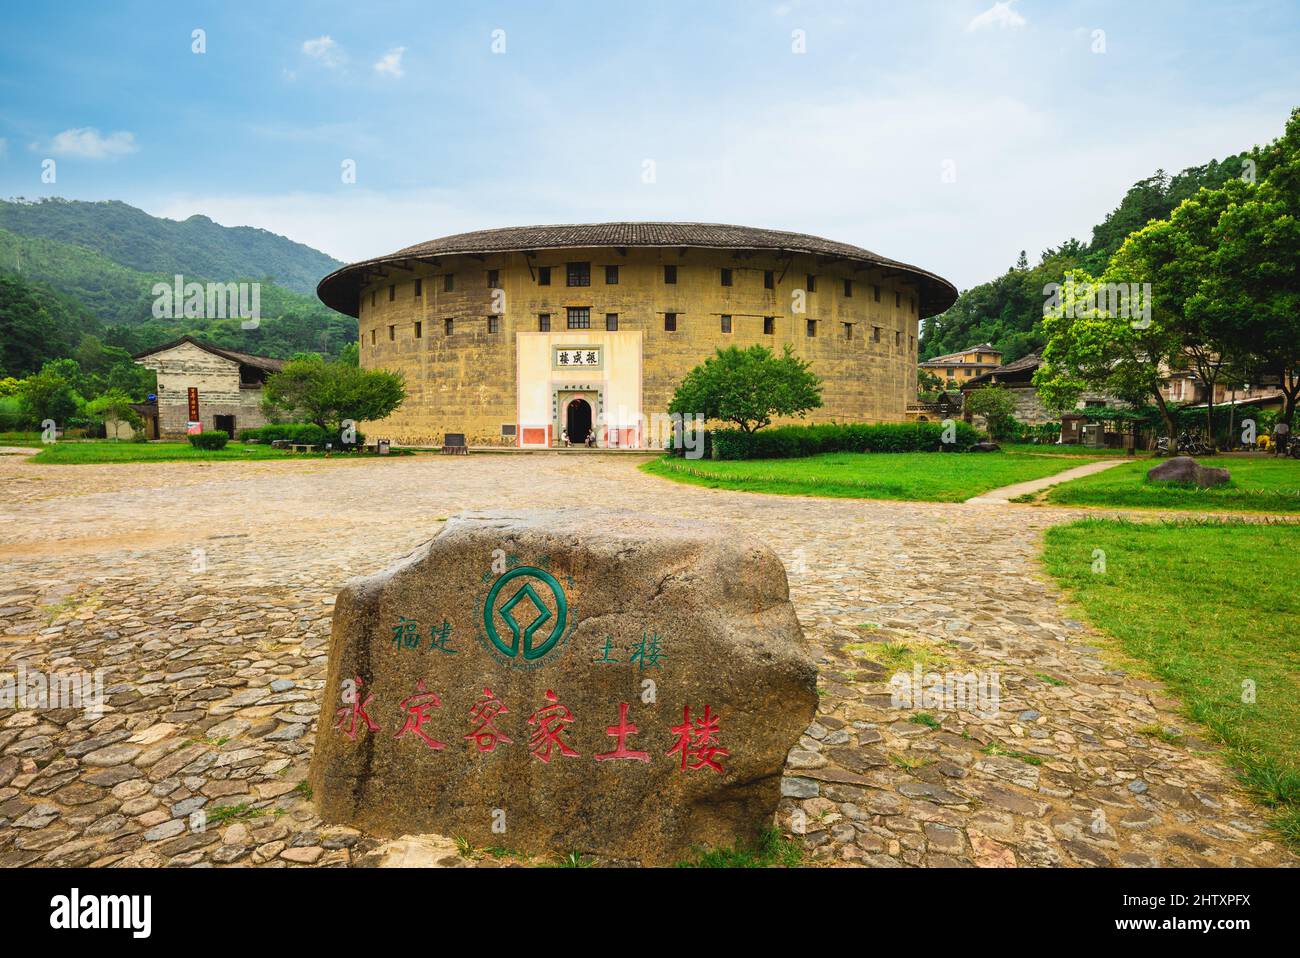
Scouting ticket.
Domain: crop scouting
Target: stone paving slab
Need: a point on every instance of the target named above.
(205, 591)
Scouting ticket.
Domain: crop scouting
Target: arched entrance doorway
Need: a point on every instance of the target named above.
(577, 420)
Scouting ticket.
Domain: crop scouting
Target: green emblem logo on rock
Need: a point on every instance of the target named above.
(517, 597)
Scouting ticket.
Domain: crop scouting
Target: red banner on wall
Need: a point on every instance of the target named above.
(194, 404)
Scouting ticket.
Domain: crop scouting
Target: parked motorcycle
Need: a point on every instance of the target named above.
(1188, 445)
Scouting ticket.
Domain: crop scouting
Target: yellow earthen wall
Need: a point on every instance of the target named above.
(466, 382)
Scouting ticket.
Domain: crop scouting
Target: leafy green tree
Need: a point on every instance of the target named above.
(326, 393)
(996, 405)
(51, 393)
(1251, 288)
(1175, 257)
(113, 404)
(928, 385)
(1092, 348)
(748, 387)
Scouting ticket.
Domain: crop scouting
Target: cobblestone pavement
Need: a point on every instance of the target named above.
(213, 677)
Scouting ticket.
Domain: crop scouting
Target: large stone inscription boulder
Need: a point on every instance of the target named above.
(1186, 470)
(569, 680)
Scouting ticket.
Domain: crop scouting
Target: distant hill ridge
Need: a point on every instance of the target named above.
(1007, 311)
(75, 276)
(197, 247)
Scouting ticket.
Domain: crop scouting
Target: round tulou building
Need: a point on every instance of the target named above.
(521, 336)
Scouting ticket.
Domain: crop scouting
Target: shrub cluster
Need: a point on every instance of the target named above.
(1047, 432)
(792, 442)
(216, 439)
(300, 432)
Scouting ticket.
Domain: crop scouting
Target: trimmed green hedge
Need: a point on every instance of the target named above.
(300, 432)
(793, 442)
(216, 439)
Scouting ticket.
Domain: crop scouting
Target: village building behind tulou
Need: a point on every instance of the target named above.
(533, 335)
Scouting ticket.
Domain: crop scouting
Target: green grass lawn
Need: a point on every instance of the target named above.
(1258, 485)
(1204, 607)
(928, 476)
(110, 451)
(20, 438)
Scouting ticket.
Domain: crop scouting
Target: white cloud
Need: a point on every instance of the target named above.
(391, 62)
(88, 143)
(874, 179)
(324, 50)
(999, 15)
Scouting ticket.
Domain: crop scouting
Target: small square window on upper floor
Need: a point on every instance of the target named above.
(578, 274)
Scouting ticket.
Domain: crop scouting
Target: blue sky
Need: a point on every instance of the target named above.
(857, 138)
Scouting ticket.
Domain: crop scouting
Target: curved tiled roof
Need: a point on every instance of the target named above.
(269, 363)
(341, 289)
(1028, 363)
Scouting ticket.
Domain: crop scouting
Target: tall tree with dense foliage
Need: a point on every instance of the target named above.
(1089, 347)
(311, 389)
(113, 404)
(52, 392)
(748, 387)
(1251, 285)
(995, 405)
(1175, 257)
(1225, 272)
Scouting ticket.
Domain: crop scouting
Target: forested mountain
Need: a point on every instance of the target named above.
(1008, 311)
(37, 323)
(113, 293)
(40, 322)
(196, 248)
(55, 294)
